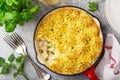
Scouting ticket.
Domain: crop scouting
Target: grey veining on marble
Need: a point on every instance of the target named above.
(27, 32)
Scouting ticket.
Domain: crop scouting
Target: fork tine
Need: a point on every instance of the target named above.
(9, 42)
(16, 39)
(20, 40)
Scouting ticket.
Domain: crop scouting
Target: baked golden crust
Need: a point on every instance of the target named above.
(75, 39)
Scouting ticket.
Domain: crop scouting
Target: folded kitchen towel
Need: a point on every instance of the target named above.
(109, 66)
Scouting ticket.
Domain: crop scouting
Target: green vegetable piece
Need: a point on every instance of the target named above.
(47, 41)
(1, 64)
(12, 65)
(6, 8)
(16, 2)
(2, 59)
(48, 46)
(52, 52)
(11, 58)
(20, 59)
(47, 51)
(9, 2)
(1, 13)
(5, 65)
(21, 23)
(9, 27)
(4, 70)
(1, 2)
(26, 16)
(46, 59)
(28, 3)
(1, 18)
(13, 12)
(40, 50)
(2, 21)
(13, 16)
(20, 71)
(15, 74)
(34, 9)
(93, 6)
(20, 68)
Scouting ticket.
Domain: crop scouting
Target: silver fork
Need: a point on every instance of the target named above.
(17, 43)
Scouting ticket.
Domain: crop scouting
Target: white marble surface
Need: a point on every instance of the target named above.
(27, 32)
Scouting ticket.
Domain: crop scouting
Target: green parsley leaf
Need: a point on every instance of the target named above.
(21, 23)
(28, 3)
(11, 58)
(4, 70)
(16, 2)
(12, 65)
(20, 59)
(34, 9)
(9, 2)
(20, 71)
(1, 13)
(1, 2)
(7, 66)
(2, 60)
(3, 63)
(2, 22)
(15, 74)
(26, 16)
(13, 12)
(12, 16)
(93, 6)
(9, 27)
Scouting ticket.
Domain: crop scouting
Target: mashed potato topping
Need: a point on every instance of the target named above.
(73, 38)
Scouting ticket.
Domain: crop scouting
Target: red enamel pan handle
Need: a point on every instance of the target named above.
(91, 74)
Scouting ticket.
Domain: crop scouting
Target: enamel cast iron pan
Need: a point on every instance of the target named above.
(89, 71)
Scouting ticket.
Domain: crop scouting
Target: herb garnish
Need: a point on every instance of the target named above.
(46, 59)
(13, 12)
(48, 46)
(6, 66)
(40, 50)
(20, 60)
(47, 51)
(11, 58)
(52, 52)
(93, 6)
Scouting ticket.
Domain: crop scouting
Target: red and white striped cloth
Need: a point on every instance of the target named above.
(109, 66)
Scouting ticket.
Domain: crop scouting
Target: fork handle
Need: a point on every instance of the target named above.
(43, 75)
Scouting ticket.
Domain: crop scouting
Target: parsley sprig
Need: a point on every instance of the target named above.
(93, 6)
(18, 65)
(13, 12)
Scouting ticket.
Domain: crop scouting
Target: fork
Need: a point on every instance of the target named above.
(17, 43)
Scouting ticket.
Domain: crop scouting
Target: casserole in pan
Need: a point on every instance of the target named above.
(68, 40)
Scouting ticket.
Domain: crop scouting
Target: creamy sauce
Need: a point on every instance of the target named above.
(48, 53)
